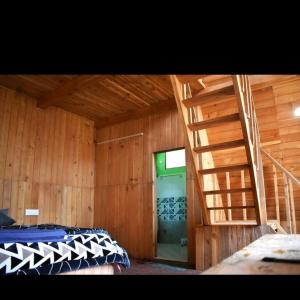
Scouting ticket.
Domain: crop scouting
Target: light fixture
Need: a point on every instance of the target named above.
(297, 111)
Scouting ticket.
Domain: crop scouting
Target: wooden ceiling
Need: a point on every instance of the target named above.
(108, 99)
(101, 98)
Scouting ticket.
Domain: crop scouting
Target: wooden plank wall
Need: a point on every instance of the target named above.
(215, 243)
(47, 161)
(124, 202)
(287, 97)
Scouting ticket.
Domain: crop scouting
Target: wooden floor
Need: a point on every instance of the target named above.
(139, 267)
(269, 255)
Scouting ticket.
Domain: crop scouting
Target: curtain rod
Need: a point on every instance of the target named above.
(121, 138)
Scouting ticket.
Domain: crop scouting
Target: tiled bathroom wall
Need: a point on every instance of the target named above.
(172, 208)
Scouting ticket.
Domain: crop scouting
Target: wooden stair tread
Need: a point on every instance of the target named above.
(231, 207)
(230, 223)
(224, 169)
(235, 222)
(216, 88)
(214, 122)
(229, 191)
(220, 146)
(210, 79)
(211, 94)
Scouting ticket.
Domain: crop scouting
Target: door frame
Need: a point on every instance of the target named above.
(154, 205)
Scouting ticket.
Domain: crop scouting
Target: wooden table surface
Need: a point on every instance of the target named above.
(249, 260)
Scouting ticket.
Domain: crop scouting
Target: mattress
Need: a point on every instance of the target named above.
(81, 248)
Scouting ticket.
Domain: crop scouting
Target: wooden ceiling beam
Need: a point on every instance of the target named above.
(67, 89)
(165, 106)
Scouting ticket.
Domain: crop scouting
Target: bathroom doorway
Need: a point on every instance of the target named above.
(171, 205)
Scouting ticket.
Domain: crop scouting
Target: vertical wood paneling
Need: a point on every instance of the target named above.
(1, 192)
(124, 202)
(215, 243)
(287, 98)
(4, 121)
(47, 160)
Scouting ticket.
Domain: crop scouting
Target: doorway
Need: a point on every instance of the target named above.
(171, 205)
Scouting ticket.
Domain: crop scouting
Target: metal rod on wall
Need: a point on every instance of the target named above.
(121, 138)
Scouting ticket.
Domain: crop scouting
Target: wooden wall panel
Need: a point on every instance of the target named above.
(124, 202)
(287, 98)
(47, 162)
(215, 243)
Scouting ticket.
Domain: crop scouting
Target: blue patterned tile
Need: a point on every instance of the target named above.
(171, 200)
(171, 208)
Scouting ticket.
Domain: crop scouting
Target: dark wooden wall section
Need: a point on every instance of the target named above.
(124, 200)
(46, 162)
(215, 243)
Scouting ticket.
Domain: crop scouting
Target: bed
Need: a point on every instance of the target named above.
(50, 249)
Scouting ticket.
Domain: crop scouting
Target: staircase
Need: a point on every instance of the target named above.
(216, 202)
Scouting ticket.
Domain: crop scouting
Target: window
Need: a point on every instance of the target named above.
(175, 159)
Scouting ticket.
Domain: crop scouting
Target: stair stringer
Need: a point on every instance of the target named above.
(202, 161)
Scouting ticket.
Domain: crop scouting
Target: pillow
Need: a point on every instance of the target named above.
(5, 220)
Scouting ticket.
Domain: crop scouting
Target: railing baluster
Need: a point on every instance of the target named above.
(243, 194)
(257, 145)
(215, 196)
(252, 120)
(228, 196)
(292, 206)
(253, 140)
(276, 193)
(248, 97)
(287, 203)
